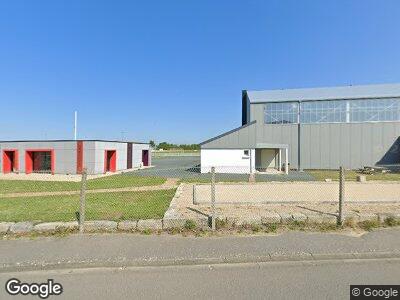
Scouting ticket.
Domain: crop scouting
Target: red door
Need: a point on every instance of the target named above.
(10, 161)
(145, 158)
(110, 161)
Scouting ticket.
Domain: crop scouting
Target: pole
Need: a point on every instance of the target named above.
(75, 125)
(213, 198)
(286, 161)
(82, 201)
(341, 195)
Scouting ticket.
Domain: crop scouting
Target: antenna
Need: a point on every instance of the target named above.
(75, 125)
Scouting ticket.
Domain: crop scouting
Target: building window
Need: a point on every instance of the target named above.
(323, 111)
(374, 110)
(333, 111)
(281, 113)
(246, 152)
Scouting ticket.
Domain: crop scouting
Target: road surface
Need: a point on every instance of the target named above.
(270, 280)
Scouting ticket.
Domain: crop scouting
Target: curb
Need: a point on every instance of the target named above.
(171, 222)
(240, 259)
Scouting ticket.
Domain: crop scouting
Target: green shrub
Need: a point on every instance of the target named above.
(368, 225)
(190, 225)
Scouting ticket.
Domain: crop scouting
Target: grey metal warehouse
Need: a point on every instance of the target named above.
(71, 156)
(318, 128)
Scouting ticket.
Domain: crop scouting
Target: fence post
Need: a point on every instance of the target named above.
(194, 194)
(341, 194)
(213, 198)
(82, 201)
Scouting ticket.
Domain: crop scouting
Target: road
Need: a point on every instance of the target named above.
(188, 167)
(271, 280)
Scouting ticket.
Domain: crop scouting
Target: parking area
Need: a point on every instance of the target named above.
(188, 168)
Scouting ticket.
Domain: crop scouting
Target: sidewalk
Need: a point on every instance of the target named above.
(123, 250)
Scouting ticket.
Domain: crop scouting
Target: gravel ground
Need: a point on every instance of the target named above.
(186, 209)
(299, 192)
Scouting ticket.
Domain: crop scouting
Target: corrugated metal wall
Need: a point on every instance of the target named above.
(324, 145)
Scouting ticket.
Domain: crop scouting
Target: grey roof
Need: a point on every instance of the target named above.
(326, 93)
(228, 132)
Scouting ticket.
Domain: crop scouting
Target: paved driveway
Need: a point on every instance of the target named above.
(188, 167)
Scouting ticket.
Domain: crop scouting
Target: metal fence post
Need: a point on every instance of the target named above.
(82, 201)
(194, 194)
(341, 194)
(213, 198)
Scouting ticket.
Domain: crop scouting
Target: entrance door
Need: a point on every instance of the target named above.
(39, 161)
(145, 158)
(129, 157)
(110, 161)
(10, 161)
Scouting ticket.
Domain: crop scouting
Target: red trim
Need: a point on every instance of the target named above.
(79, 157)
(112, 156)
(7, 167)
(29, 159)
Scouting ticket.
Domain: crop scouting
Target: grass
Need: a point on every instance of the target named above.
(108, 182)
(321, 175)
(100, 206)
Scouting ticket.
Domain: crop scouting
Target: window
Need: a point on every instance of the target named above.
(246, 152)
(333, 111)
(281, 113)
(323, 111)
(374, 110)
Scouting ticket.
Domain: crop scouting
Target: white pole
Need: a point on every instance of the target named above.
(286, 161)
(75, 125)
(280, 160)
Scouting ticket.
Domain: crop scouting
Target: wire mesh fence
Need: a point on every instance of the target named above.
(167, 197)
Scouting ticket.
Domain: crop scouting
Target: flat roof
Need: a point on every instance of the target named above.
(110, 141)
(326, 93)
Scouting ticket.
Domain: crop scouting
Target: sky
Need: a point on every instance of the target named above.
(174, 70)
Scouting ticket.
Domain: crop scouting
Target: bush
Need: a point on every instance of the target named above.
(190, 225)
(391, 221)
(368, 225)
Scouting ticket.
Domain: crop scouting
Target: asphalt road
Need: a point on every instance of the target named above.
(188, 167)
(271, 280)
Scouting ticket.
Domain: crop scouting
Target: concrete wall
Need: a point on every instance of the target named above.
(266, 158)
(64, 154)
(101, 147)
(137, 154)
(226, 160)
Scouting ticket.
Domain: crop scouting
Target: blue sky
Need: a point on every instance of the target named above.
(174, 70)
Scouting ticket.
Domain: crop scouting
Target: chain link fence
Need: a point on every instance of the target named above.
(158, 198)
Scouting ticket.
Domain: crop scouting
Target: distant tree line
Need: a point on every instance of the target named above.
(168, 146)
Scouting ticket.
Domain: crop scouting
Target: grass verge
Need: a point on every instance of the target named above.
(100, 206)
(108, 182)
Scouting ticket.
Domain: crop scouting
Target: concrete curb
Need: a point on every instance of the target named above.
(242, 259)
(170, 222)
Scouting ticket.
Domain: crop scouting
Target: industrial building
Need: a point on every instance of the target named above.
(311, 128)
(71, 156)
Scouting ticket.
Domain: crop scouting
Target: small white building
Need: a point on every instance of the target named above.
(71, 156)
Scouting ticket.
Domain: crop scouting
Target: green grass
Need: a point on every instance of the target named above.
(352, 175)
(99, 206)
(108, 182)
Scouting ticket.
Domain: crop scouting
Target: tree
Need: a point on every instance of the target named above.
(152, 144)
